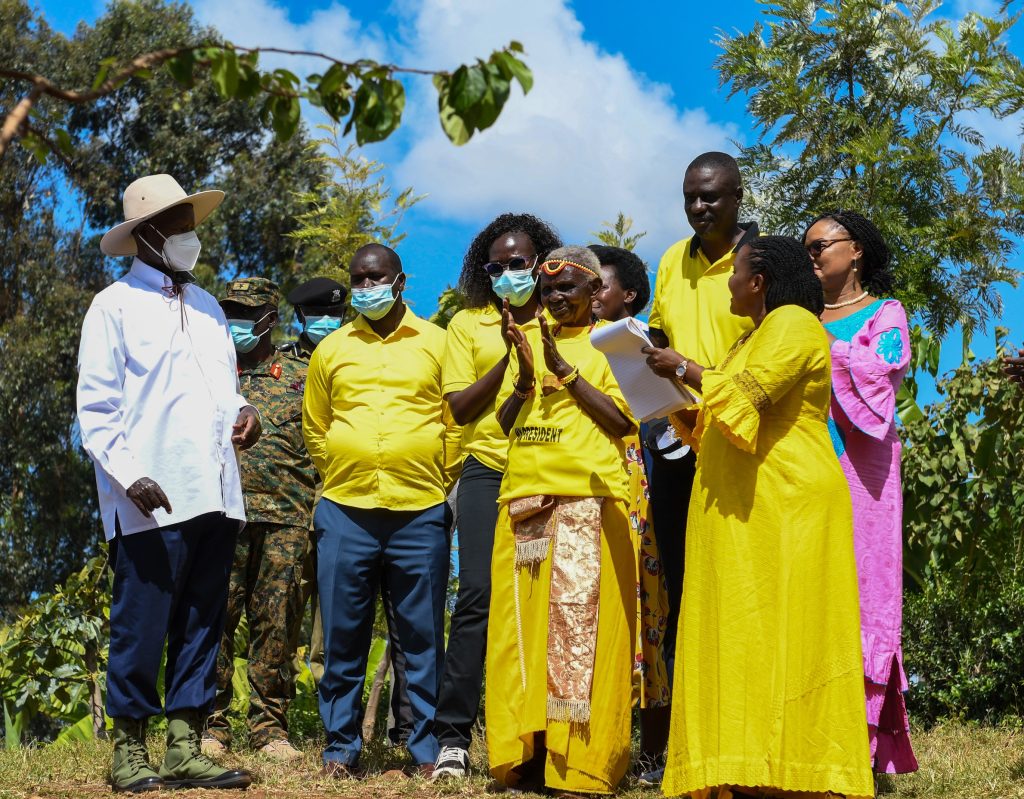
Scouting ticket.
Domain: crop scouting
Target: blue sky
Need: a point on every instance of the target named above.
(626, 95)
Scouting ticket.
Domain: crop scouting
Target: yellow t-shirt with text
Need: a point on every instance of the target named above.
(555, 447)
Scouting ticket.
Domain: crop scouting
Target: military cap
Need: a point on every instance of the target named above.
(253, 292)
(320, 292)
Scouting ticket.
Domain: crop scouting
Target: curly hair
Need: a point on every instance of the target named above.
(630, 271)
(875, 274)
(788, 272)
(474, 284)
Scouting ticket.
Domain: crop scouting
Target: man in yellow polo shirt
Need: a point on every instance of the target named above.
(373, 424)
(691, 315)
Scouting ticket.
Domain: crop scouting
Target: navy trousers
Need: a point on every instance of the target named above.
(170, 584)
(356, 548)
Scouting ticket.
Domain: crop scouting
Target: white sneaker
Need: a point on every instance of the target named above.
(280, 750)
(451, 762)
(211, 746)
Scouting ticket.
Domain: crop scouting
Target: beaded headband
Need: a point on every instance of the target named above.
(556, 266)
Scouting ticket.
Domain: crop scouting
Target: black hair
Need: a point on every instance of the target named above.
(474, 284)
(717, 160)
(875, 274)
(388, 255)
(630, 270)
(788, 273)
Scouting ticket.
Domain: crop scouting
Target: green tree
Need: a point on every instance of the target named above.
(617, 234)
(366, 93)
(449, 303)
(50, 264)
(961, 482)
(350, 206)
(964, 555)
(872, 105)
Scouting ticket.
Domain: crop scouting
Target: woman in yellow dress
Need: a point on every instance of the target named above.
(563, 571)
(769, 686)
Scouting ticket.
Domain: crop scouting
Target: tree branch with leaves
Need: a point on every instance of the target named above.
(365, 94)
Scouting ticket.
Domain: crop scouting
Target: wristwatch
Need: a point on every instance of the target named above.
(681, 369)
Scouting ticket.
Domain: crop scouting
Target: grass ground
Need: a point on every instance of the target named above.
(958, 761)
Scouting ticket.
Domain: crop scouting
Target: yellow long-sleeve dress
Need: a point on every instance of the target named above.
(768, 683)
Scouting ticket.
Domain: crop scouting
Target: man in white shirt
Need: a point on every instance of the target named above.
(160, 416)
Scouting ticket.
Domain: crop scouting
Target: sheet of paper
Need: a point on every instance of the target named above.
(649, 396)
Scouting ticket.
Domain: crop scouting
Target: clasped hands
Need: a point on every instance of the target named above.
(515, 337)
(146, 493)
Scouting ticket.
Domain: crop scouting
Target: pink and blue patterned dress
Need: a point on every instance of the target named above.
(869, 360)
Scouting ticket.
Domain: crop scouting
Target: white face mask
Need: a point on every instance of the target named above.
(180, 251)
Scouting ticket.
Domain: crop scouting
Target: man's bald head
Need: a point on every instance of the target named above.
(721, 163)
(377, 255)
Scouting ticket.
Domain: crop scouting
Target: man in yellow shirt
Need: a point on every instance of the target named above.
(373, 424)
(691, 315)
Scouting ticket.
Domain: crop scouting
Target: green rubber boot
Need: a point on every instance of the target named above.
(185, 765)
(131, 771)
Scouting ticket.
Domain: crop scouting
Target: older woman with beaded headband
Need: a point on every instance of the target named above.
(563, 569)
(870, 349)
(768, 686)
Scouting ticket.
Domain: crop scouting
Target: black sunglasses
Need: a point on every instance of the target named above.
(517, 264)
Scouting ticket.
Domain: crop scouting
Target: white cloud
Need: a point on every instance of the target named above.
(331, 30)
(591, 139)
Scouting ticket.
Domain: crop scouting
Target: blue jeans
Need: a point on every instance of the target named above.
(170, 584)
(356, 548)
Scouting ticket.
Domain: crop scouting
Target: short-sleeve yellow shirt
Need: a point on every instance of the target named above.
(373, 417)
(472, 348)
(554, 447)
(691, 301)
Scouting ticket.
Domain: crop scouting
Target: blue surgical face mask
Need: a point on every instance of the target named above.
(374, 302)
(317, 328)
(241, 333)
(516, 286)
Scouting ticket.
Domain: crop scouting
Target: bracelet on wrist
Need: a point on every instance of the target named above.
(571, 378)
(524, 394)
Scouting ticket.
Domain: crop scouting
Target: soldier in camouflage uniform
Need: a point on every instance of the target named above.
(279, 483)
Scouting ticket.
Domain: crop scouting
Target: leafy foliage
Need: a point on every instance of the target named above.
(962, 503)
(617, 234)
(364, 92)
(962, 648)
(449, 303)
(964, 618)
(350, 206)
(53, 658)
(876, 106)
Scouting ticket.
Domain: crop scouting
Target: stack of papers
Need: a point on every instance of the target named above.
(649, 396)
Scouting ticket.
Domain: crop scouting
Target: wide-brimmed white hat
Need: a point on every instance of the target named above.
(147, 197)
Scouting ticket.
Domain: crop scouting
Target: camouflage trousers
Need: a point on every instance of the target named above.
(266, 583)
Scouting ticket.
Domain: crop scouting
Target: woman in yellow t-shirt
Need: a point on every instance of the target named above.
(500, 268)
(563, 572)
(625, 290)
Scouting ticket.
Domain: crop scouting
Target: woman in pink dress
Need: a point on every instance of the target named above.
(870, 353)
